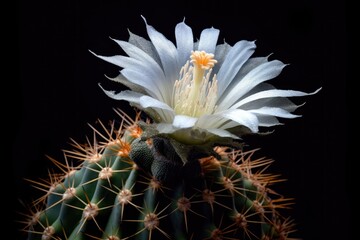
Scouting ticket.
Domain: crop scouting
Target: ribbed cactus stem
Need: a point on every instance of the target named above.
(133, 186)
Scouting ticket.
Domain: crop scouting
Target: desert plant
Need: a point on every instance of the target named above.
(183, 171)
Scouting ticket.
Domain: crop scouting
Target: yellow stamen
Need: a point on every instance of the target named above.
(194, 94)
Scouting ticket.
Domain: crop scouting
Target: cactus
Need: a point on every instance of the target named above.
(128, 186)
(180, 168)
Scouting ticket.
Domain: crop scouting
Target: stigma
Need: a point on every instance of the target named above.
(195, 94)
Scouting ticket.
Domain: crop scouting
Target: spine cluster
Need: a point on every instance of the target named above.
(119, 186)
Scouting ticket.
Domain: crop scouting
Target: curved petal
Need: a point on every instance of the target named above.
(239, 116)
(184, 42)
(256, 76)
(208, 40)
(273, 111)
(168, 56)
(137, 72)
(166, 113)
(144, 45)
(222, 133)
(182, 121)
(138, 54)
(143, 78)
(119, 60)
(127, 95)
(221, 52)
(271, 94)
(249, 65)
(124, 81)
(268, 121)
(234, 60)
(149, 102)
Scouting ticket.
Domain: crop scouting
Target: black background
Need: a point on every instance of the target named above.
(58, 93)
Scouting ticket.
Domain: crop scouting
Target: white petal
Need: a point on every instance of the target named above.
(165, 112)
(258, 75)
(184, 42)
(235, 59)
(118, 60)
(145, 45)
(182, 121)
(168, 56)
(239, 116)
(208, 40)
(149, 102)
(222, 133)
(268, 121)
(126, 95)
(272, 111)
(136, 53)
(143, 78)
(137, 72)
(124, 81)
(220, 55)
(250, 65)
(242, 117)
(270, 94)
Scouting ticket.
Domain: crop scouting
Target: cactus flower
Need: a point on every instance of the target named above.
(194, 90)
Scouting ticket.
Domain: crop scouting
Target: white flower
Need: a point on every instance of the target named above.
(196, 90)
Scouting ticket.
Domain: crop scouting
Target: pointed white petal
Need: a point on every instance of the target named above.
(273, 111)
(250, 65)
(242, 117)
(118, 60)
(138, 54)
(126, 95)
(165, 112)
(149, 102)
(168, 56)
(145, 45)
(184, 42)
(258, 75)
(141, 73)
(270, 94)
(268, 121)
(182, 121)
(239, 116)
(208, 40)
(124, 81)
(235, 59)
(222, 133)
(220, 55)
(144, 78)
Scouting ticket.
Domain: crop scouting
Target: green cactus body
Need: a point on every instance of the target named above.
(133, 187)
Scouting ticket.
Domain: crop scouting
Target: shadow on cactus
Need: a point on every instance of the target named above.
(183, 172)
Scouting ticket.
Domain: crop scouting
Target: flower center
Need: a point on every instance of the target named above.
(194, 93)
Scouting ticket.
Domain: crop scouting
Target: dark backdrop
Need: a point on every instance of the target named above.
(58, 93)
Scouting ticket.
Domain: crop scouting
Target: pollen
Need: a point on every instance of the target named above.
(202, 59)
(195, 92)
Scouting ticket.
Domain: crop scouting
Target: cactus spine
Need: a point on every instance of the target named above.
(130, 186)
